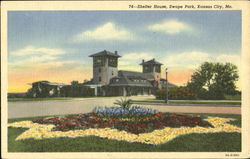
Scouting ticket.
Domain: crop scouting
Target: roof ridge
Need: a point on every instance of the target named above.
(105, 53)
(152, 61)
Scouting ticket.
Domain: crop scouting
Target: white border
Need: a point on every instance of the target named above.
(123, 5)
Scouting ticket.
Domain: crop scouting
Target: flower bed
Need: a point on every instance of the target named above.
(44, 131)
(130, 112)
(132, 124)
(135, 125)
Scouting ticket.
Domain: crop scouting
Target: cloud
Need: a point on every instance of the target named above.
(193, 59)
(134, 59)
(30, 65)
(136, 56)
(38, 59)
(124, 63)
(35, 69)
(186, 60)
(108, 31)
(171, 27)
(135, 68)
(235, 59)
(32, 58)
(32, 50)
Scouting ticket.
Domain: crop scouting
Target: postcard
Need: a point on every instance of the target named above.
(125, 79)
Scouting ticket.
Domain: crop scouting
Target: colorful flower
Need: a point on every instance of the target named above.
(44, 131)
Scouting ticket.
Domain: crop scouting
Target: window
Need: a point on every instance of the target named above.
(112, 61)
(148, 68)
(100, 79)
(99, 61)
(100, 70)
(158, 68)
(112, 73)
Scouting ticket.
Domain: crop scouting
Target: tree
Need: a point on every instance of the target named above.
(74, 83)
(214, 80)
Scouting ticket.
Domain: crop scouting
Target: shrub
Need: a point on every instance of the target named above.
(131, 112)
(175, 93)
(76, 90)
(124, 103)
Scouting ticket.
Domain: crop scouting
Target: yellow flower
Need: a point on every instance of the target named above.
(40, 131)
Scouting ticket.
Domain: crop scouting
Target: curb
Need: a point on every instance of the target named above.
(197, 105)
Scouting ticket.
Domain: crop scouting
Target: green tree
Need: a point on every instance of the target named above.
(74, 83)
(214, 80)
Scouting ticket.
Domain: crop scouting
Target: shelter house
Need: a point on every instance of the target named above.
(109, 81)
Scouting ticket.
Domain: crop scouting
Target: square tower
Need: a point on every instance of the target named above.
(152, 67)
(105, 66)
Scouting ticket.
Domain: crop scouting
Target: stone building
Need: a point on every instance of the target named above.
(109, 81)
(105, 66)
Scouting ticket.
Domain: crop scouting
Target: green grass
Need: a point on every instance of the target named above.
(212, 142)
(217, 102)
(37, 99)
(233, 97)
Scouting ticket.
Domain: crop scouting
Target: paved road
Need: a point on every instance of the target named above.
(59, 107)
(84, 105)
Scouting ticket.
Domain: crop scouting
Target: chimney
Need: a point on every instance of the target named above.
(142, 60)
(115, 52)
(153, 59)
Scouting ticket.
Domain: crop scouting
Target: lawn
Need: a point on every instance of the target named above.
(38, 99)
(210, 102)
(204, 142)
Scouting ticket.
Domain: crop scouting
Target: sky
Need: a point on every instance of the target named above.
(55, 45)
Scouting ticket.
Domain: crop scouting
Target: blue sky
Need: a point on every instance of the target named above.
(63, 40)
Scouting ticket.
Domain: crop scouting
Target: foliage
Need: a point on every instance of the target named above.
(17, 95)
(124, 103)
(43, 89)
(214, 80)
(123, 113)
(74, 83)
(76, 90)
(175, 93)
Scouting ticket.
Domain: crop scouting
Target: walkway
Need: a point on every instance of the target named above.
(84, 105)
